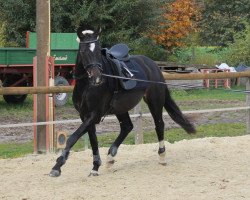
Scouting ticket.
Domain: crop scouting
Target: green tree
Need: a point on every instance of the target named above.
(18, 17)
(2, 36)
(121, 20)
(239, 52)
(222, 19)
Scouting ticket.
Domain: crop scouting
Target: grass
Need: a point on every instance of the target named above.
(22, 109)
(15, 150)
(205, 98)
(177, 134)
(12, 150)
(209, 94)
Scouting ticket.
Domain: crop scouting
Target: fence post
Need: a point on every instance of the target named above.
(138, 125)
(44, 137)
(42, 52)
(51, 103)
(248, 104)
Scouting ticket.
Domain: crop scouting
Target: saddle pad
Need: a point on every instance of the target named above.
(114, 83)
(138, 73)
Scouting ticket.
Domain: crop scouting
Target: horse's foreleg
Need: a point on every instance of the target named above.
(56, 170)
(126, 127)
(96, 156)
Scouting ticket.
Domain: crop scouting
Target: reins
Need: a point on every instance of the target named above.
(135, 79)
(147, 81)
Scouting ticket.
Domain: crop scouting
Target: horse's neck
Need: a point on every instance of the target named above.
(82, 83)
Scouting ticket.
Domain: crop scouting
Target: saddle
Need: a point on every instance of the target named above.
(120, 52)
(119, 56)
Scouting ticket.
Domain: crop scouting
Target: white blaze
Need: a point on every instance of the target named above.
(92, 47)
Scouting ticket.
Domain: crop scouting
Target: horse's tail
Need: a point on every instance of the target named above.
(176, 114)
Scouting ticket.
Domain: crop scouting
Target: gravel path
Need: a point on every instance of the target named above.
(200, 169)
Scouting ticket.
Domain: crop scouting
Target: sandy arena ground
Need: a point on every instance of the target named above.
(202, 169)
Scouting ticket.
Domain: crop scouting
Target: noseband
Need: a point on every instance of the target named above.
(88, 42)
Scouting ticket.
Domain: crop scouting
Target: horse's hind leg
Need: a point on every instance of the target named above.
(155, 104)
(159, 128)
(126, 127)
(96, 156)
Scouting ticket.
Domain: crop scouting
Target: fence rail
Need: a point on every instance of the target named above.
(200, 76)
(35, 90)
(167, 76)
(72, 121)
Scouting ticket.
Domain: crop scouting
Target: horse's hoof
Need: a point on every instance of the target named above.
(93, 173)
(110, 161)
(110, 164)
(54, 173)
(162, 160)
(163, 163)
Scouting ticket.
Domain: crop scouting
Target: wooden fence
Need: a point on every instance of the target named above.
(167, 76)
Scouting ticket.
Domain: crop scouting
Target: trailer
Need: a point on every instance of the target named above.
(16, 65)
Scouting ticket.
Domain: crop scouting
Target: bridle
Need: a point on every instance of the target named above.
(90, 65)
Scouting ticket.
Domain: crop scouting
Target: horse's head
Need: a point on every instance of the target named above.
(89, 53)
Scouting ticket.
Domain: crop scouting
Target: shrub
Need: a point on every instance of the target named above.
(239, 52)
(197, 55)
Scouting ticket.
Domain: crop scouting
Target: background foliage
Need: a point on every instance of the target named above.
(239, 52)
(222, 19)
(121, 20)
(154, 28)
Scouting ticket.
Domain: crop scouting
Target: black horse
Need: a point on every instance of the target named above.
(94, 97)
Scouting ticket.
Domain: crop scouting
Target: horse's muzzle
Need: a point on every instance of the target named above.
(95, 76)
(96, 81)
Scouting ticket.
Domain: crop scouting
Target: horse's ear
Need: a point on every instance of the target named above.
(100, 30)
